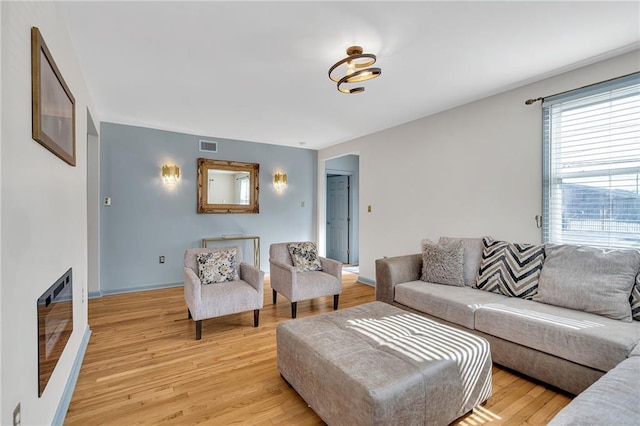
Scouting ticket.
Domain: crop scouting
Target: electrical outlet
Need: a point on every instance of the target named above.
(17, 416)
(161, 259)
(107, 201)
(369, 208)
(302, 204)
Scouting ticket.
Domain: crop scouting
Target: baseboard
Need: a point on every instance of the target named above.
(366, 281)
(65, 400)
(94, 294)
(142, 288)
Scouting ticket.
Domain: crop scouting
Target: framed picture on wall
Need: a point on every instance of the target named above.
(53, 112)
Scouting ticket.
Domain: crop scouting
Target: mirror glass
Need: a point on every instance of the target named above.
(227, 186)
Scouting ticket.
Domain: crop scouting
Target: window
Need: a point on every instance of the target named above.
(591, 165)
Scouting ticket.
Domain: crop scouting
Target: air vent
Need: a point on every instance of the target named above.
(208, 146)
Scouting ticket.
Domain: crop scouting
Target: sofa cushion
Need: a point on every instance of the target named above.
(305, 256)
(453, 304)
(612, 400)
(217, 266)
(577, 336)
(634, 299)
(442, 263)
(589, 279)
(472, 255)
(509, 268)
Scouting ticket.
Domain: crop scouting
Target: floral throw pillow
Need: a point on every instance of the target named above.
(305, 256)
(217, 266)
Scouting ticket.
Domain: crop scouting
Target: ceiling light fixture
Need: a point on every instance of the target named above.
(356, 70)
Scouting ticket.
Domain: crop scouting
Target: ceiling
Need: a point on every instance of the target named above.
(257, 71)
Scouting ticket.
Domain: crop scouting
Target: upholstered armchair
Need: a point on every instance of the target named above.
(296, 285)
(218, 283)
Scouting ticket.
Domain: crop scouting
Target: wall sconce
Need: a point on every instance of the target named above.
(170, 173)
(280, 181)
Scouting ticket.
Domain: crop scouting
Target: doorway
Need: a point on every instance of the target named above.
(342, 219)
(93, 208)
(338, 218)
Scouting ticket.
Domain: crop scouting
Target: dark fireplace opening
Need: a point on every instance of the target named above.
(55, 324)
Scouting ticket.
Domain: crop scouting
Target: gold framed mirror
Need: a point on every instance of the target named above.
(228, 186)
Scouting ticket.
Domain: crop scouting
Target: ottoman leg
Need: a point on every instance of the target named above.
(256, 317)
(335, 301)
(294, 308)
(275, 296)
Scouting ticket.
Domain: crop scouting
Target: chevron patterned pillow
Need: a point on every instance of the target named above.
(634, 299)
(510, 269)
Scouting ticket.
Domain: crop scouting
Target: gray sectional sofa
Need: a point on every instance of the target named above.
(567, 320)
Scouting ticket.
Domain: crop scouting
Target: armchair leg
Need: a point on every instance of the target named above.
(198, 330)
(294, 308)
(189, 314)
(335, 301)
(275, 296)
(256, 317)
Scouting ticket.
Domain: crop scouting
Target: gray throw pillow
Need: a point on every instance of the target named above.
(442, 263)
(472, 255)
(510, 269)
(589, 279)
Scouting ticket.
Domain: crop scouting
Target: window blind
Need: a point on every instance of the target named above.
(591, 165)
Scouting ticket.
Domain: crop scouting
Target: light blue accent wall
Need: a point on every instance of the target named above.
(350, 164)
(148, 218)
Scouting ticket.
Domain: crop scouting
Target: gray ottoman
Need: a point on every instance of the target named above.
(375, 364)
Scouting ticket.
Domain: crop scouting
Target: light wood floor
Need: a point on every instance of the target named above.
(143, 366)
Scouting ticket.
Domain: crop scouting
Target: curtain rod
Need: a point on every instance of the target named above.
(532, 101)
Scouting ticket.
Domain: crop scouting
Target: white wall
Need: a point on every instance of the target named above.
(2, 25)
(470, 171)
(43, 213)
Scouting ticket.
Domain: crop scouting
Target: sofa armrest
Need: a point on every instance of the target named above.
(253, 276)
(332, 267)
(395, 270)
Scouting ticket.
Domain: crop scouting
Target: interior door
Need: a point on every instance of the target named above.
(338, 218)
